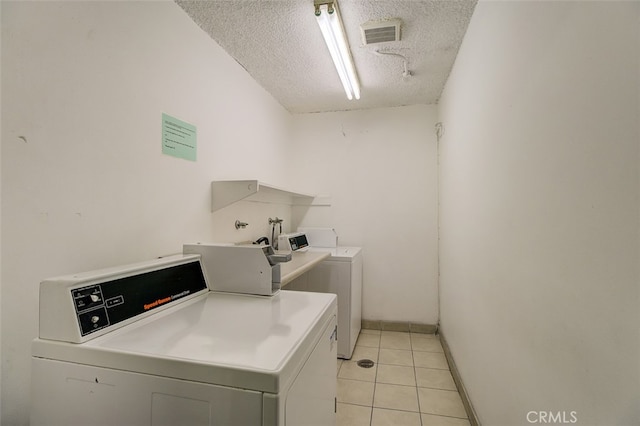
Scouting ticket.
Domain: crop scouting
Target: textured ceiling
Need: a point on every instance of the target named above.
(280, 44)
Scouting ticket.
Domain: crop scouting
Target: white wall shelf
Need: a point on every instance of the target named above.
(226, 192)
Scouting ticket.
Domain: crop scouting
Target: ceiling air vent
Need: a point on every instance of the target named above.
(380, 31)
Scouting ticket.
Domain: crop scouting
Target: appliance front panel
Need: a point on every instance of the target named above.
(73, 394)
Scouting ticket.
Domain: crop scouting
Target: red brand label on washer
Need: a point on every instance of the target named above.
(158, 302)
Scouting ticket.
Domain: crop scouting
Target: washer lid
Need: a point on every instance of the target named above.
(340, 254)
(252, 342)
(320, 237)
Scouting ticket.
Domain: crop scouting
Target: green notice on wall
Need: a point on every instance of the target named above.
(178, 138)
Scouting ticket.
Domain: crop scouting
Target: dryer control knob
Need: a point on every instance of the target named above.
(95, 319)
(95, 298)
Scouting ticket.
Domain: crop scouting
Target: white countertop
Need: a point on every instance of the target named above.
(300, 263)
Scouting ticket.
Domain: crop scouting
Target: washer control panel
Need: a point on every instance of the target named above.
(107, 303)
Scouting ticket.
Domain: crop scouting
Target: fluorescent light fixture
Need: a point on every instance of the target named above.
(330, 24)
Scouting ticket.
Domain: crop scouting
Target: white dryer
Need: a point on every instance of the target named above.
(149, 344)
(340, 274)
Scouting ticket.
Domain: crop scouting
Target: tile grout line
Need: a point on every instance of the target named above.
(375, 379)
(415, 376)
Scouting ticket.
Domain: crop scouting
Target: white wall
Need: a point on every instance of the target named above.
(540, 211)
(85, 84)
(380, 169)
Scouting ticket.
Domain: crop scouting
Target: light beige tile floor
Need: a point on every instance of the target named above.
(410, 383)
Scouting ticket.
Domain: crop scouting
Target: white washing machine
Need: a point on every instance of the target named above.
(340, 274)
(149, 344)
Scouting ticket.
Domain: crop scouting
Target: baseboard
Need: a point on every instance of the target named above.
(473, 418)
(399, 326)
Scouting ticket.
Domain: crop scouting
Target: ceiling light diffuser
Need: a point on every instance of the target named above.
(330, 24)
